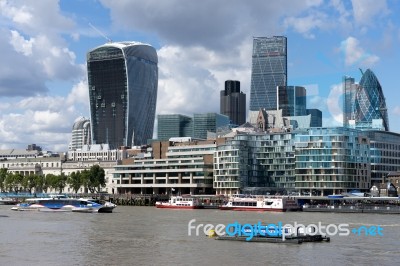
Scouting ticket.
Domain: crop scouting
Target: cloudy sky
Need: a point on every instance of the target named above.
(200, 44)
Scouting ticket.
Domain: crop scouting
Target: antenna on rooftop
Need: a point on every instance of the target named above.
(99, 32)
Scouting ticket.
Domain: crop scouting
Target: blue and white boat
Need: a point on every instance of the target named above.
(61, 203)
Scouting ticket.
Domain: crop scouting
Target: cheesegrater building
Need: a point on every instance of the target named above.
(269, 70)
(123, 79)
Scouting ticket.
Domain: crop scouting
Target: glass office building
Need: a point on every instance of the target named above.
(349, 99)
(292, 100)
(370, 105)
(316, 117)
(233, 102)
(385, 154)
(122, 79)
(208, 122)
(174, 125)
(269, 70)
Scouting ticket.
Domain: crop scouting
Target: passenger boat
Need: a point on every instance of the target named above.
(180, 202)
(239, 202)
(62, 203)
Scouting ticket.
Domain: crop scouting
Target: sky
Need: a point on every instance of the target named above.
(200, 45)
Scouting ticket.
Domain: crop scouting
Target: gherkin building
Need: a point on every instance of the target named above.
(370, 104)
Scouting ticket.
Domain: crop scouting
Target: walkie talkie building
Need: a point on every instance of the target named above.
(122, 79)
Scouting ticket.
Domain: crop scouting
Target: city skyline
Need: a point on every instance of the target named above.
(43, 73)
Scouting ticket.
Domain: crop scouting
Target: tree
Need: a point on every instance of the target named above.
(61, 182)
(40, 181)
(96, 179)
(13, 181)
(51, 181)
(75, 181)
(29, 182)
(3, 176)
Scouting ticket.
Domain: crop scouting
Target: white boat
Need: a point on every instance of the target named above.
(61, 203)
(239, 202)
(180, 202)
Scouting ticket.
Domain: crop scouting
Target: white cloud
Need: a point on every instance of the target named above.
(334, 103)
(36, 17)
(396, 110)
(355, 54)
(306, 24)
(366, 11)
(20, 44)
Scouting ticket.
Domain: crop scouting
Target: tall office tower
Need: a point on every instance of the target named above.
(208, 122)
(174, 125)
(269, 70)
(316, 117)
(349, 98)
(233, 102)
(80, 134)
(292, 100)
(370, 105)
(123, 79)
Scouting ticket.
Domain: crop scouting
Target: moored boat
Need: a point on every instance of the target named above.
(180, 202)
(60, 203)
(239, 202)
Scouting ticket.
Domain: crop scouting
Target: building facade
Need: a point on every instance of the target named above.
(269, 70)
(187, 169)
(332, 161)
(174, 125)
(208, 122)
(292, 100)
(350, 89)
(255, 163)
(233, 102)
(80, 134)
(123, 80)
(370, 105)
(316, 117)
(385, 154)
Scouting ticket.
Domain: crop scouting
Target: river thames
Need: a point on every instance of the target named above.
(151, 236)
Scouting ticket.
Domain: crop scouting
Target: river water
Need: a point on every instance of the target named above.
(151, 236)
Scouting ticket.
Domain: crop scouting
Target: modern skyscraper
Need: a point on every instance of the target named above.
(80, 134)
(233, 102)
(208, 122)
(174, 125)
(316, 117)
(370, 105)
(292, 100)
(123, 79)
(269, 70)
(349, 98)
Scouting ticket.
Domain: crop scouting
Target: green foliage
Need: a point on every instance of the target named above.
(3, 176)
(75, 181)
(93, 180)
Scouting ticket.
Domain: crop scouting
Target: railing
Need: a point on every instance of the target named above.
(358, 208)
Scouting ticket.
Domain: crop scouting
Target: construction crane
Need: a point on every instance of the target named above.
(99, 32)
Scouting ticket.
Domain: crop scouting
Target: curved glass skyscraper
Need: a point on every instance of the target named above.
(123, 79)
(370, 106)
